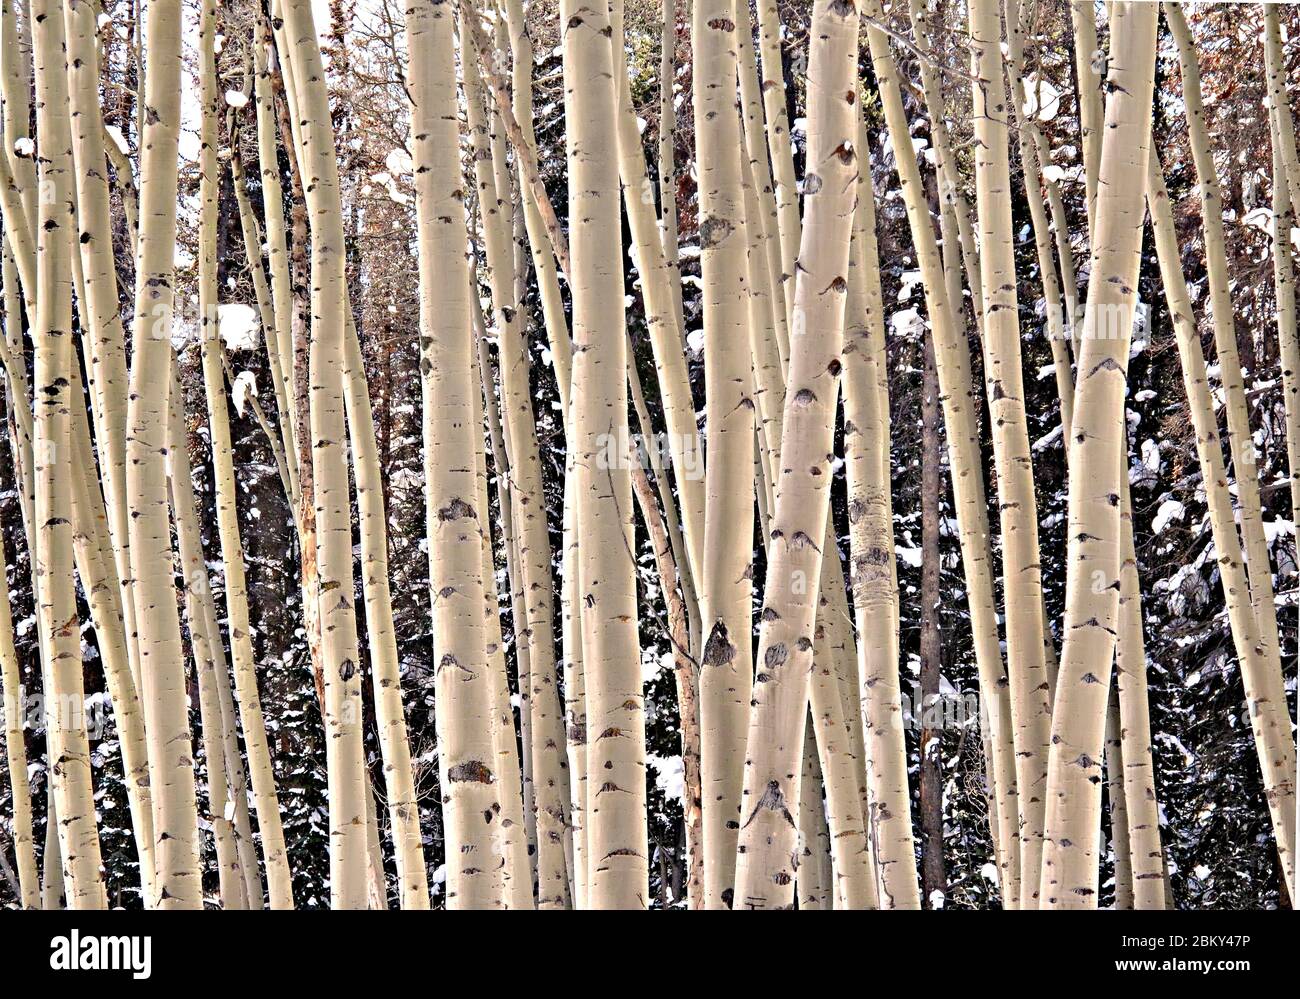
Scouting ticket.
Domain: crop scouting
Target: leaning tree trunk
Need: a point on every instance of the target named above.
(230, 877)
(276, 858)
(1022, 577)
(1240, 439)
(1261, 669)
(960, 409)
(99, 311)
(1069, 878)
(767, 842)
(666, 337)
(541, 696)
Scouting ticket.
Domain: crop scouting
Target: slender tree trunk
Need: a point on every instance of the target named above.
(1138, 777)
(875, 578)
(274, 854)
(779, 146)
(100, 312)
(1030, 711)
(667, 154)
(65, 697)
(1033, 156)
(328, 435)
(617, 849)
(684, 669)
(1119, 837)
(456, 578)
(542, 703)
(960, 407)
(1089, 61)
(16, 752)
(1286, 189)
(194, 569)
(764, 869)
(666, 338)
(515, 842)
(94, 560)
(726, 668)
(1069, 877)
(933, 880)
(1240, 439)
(399, 779)
(813, 880)
(1260, 669)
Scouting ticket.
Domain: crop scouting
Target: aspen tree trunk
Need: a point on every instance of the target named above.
(549, 767)
(1030, 712)
(667, 154)
(766, 850)
(464, 695)
(1119, 837)
(18, 184)
(21, 436)
(1282, 126)
(328, 436)
(94, 559)
(874, 575)
(1142, 837)
(515, 844)
(956, 230)
(1033, 156)
(521, 49)
(100, 310)
(814, 883)
(494, 212)
(726, 667)
(779, 146)
(765, 271)
(273, 213)
(1134, 721)
(65, 697)
(202, 612)
(840, 754)
(575, 695)
(934, 882)
(53, 886)
(835, 707)
(162, 665)
(1069, 878)
(1286, 178)
(617, 849)
(1088, 60)
(282, 440)
(687, 687)
(194, 569)
(1240, 440)
(274, 854)
(399, 779)
(519, 625)
(16, 750)
(666, 338)
(1260, 668)
(961, 422)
